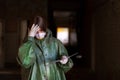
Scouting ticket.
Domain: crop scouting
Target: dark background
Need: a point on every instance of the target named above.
(97, 25)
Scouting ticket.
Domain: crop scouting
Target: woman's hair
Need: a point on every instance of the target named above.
(38, 20)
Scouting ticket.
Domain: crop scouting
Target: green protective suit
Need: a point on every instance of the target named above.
(37, 58)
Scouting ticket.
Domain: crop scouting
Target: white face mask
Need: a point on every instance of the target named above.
(40, 35)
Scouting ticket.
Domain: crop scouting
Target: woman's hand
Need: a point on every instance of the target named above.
(64, 60)
(33, 30)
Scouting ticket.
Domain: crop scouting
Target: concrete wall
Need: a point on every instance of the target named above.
(106, 21)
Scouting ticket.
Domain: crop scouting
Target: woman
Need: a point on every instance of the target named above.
(42, 56)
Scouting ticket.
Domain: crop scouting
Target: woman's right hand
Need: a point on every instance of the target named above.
(33, 30)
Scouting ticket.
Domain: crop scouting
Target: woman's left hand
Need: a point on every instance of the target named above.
(64, 60)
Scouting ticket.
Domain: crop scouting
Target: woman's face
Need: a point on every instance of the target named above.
(40, 34)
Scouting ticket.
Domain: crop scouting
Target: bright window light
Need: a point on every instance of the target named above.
(63, 34)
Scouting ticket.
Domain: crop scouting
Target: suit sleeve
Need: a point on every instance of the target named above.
(26, 55)
(63, 51)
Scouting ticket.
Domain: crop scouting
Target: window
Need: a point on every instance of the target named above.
(66, 27)
(63, 34)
